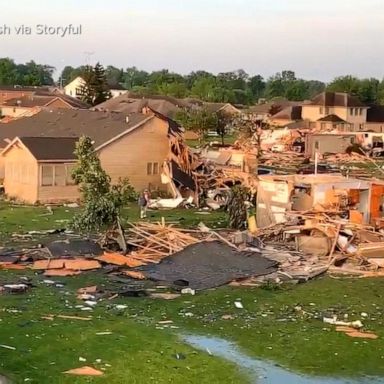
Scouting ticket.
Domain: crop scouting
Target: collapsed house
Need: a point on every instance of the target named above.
(359, 201)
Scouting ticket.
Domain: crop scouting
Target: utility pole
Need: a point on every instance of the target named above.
(88, 55)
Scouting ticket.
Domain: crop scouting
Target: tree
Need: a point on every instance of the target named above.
(198, 120)
(134, 78)
(223, 122)
(8, 72)
(348, 84)
(102, 202)
(257, 86)
(204, 88)
(114, 75)
(70, 73)
(95, 88)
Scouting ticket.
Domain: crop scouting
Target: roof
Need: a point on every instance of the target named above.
(125, 103)
(116, 86)
(336, 99)
(332, 119)
(51, 148)
(375, 114)
(289, 113)
(101, 127)
(43, 90)
(30, 101)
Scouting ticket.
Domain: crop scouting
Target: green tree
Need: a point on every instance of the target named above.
(8, 72)
(349, 84)
(198, 120)
(101, 201)
(114, 75)
(135, 78)
(95, 88)
(257, 86)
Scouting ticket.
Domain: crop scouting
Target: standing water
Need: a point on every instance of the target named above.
(260, 371)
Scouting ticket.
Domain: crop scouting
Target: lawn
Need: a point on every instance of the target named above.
(229, 140)
(270, 326)
(281, 324)
(21, 219)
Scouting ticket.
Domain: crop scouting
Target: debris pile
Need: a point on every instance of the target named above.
(338, 244)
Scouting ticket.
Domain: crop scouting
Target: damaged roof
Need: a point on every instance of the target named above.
(332, 119)
(128, 104)
(337, 99)
(99, 126)
(375, 114)
(289, 113)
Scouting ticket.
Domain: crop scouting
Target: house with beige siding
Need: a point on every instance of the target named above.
(29, 105)
(38, 169)
(346, 107)
(74, 88)
(133, 147)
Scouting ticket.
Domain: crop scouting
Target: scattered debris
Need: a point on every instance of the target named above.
(84, 371)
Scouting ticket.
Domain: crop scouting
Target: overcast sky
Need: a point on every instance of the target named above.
(316, 38)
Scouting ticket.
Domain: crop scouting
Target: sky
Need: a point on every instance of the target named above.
(318, 39)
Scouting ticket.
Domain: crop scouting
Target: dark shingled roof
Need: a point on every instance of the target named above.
(332, 119)
(99, 126)
(31, 101)
(51, 148)
(125, 103)
(375, 114)
(336, 99)
(289, 113)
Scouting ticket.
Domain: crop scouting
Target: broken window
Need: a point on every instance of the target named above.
(46, 175)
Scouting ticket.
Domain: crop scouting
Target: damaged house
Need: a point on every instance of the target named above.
(133, 147)
(359, 201)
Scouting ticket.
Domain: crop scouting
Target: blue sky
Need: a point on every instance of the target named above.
(316, 38)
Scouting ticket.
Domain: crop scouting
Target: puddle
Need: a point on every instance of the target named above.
(263, 372)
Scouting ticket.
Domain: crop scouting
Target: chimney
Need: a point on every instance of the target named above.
(127, 119)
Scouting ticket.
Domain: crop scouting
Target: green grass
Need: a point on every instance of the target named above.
(136, 352)
(268, 327)
(21, 219)
(227, 140)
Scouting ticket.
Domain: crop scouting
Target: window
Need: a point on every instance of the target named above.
(317, 145)
(155, 168)
(321, 110)
(356, 111)
(322, 125)
(149, 169)
(351, 111)
(46, 175)
(60, 175)
(152, 168)
(69, 169)
(361, 111)
(326, 110)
